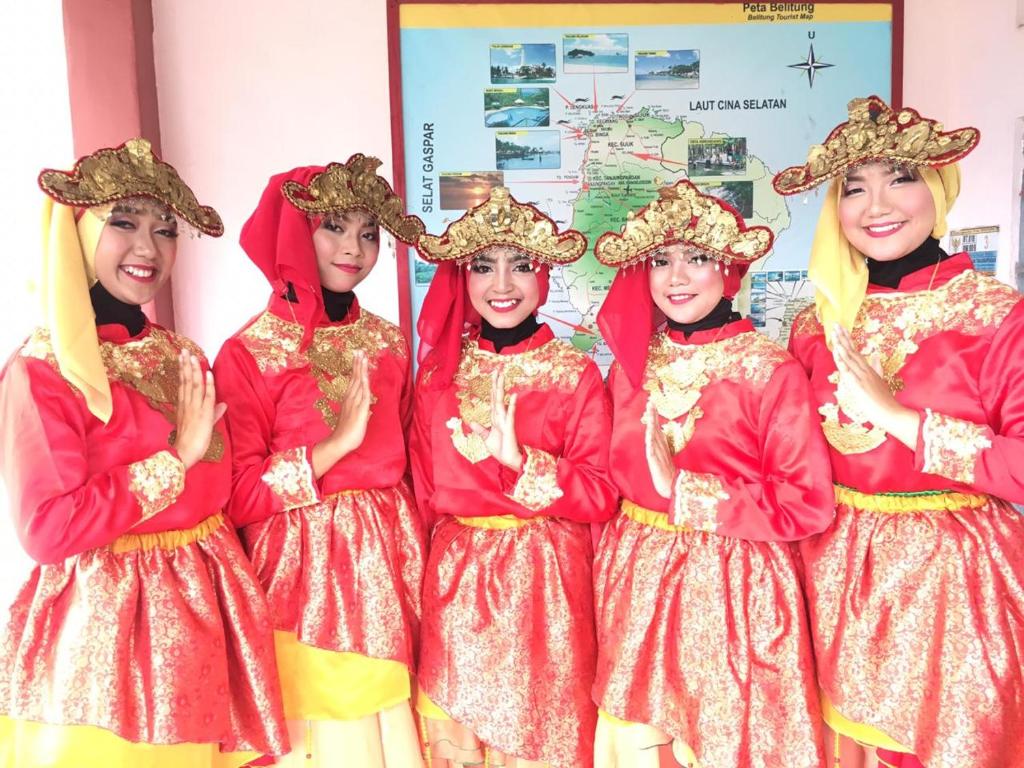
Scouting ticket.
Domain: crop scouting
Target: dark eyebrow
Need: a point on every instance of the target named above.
(484, 257)
(854, 177)
(519, 257)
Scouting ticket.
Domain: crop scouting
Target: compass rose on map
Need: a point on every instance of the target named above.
(811, 65)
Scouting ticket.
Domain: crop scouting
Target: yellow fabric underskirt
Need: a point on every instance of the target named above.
(25, 744)
(899, 504)
(651, 517)
(317, 684)
(618, 724)
(864, 735)
(427, 708)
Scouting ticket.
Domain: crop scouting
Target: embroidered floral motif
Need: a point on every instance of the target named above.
(952, 446)
(332, 354)
(806, 322)
(892, 326)
(554, 366)
(156, 482)
(148, 365)
(537, 486)
(695, 500)
(677, 374)
(290, 477)
(273, 343)
(39, 347)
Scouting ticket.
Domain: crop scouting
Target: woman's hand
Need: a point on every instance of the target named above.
(500, 439)
(353, 418)
(659, 453)
(198, 410)
(864, 382)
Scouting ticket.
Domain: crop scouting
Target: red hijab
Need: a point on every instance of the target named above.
(278, 238)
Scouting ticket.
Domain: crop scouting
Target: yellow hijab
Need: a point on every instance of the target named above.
(69, 250)
(838, 270)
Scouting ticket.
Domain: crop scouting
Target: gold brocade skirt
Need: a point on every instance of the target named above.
(508, 652)
(155, 651)
(917, 607)
(343, 578)
(704, 638)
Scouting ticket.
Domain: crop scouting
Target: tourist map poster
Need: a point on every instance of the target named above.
(586, 109)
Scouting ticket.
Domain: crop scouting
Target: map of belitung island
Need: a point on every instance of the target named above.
(586, 122)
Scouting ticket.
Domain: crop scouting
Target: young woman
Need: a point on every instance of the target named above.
(319, 395)
(916, 592)
(704, 650)
(509, 455)
(142, 638)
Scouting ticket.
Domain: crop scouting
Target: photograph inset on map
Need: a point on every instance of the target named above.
(724, 156)
(526, 150)
(664, 70)
(595, 53)
(423, 272)
(738, 194)
(516, 108)
(522, 63)
(461, 191)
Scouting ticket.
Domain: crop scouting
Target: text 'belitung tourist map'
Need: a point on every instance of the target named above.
(586, 121)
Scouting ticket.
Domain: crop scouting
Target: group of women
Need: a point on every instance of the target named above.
(726, 555)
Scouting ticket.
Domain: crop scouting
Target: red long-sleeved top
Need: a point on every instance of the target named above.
(76, 483)
(282, 398)
(750, 458)
(562, 424)
(951, 341)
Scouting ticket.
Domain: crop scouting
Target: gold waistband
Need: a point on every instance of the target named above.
(651, 517)
(167, 540)
(497, 522)
(901, 503)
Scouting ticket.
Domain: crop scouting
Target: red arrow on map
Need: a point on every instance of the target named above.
(656, 158)
(566, 100)
(574, 326)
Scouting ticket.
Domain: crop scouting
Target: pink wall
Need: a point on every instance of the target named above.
(963, 64)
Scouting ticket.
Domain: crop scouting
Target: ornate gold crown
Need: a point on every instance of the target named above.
(355, 186)
(875, 132)
(131, 170)
(502, 220)
(684, 214)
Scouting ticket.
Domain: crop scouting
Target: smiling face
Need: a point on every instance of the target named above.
(886, 211)
(347, 246)
(685, 284)
(136, 251)
(503, 286)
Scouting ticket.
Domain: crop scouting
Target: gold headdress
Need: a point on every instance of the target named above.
(683, 214)
(503, 221)
(128, 171)
(355, 186)
(875, 132)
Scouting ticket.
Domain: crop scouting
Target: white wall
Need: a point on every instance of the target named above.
(964, 64)
(248, 88)
(35, 133)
